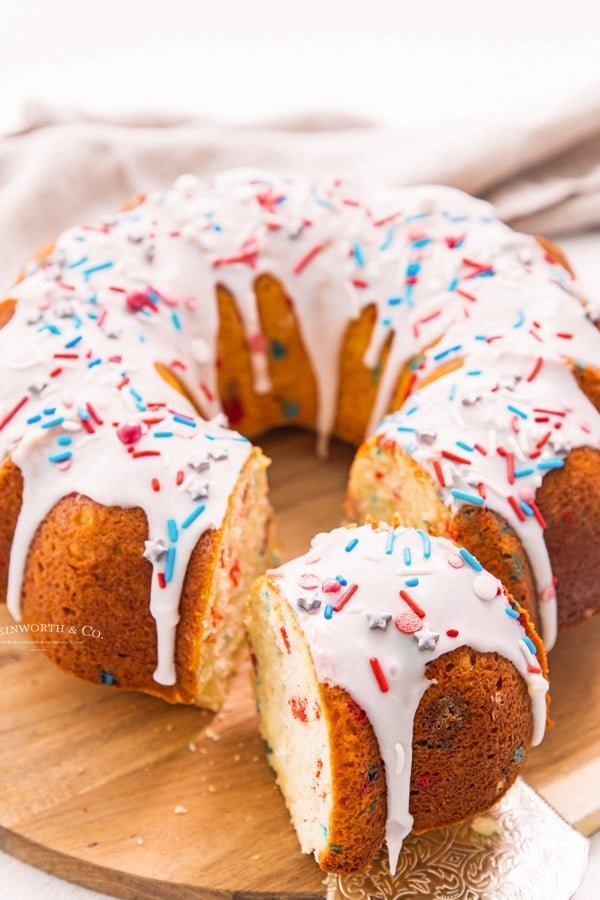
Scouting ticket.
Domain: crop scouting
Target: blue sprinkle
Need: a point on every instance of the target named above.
(444, 353)
(92, 299)
(94, 362)
(481, 337)
(64, 440)
(53, 422)
(389, 545)
(172, 530)
(70, 344)
(49, 411)
(453, 284)
(193, 516)
(33, 419)
(517, 411)
(93, 316)
(511, 612)
(526, 508)
(83, 413)
(470, 559)
(98, 268)
(394, 301)
(77, 322)
(170, 564)
(53, 329)
(488, 273)
(521, 473)
(407, 556)
(421, 242)
(411, 582)
(79, 262)
(321, 200)
(389, 237)
(413, 269)
(163, 434)
(452, 393)
(176, 320)
(358, 254)
(183, 421)
(474, 372)
(107, 678)
(415, 217)
(135, 394)
(141, 406)
(426, 542)
(551, 464)
(469, 498)
(290, 408)
(520, 319)
(156, 298)
(529, 644)
(278, 350)
(404, 428)
(386, 323)
(464, 446)
(408, 294)
(328, 612)
(343, 581)
(351, 545)
(60, 457)
(410, 411)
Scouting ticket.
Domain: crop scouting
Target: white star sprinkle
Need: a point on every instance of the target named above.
(154, 550)
(379, 619)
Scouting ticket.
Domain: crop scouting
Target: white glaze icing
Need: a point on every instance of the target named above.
(456, 425)
(422, 256)
(381, 563)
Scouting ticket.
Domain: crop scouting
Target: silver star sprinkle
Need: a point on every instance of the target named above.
(427, 435)
(199, 462)
(219, 454)
(37, 387)
(426, 638)
(309, 605)
(197, 488)
(154, 550)
(379, 619)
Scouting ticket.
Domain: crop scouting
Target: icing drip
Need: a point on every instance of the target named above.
(488, 438)
(377, 642)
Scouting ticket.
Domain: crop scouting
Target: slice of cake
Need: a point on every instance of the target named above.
(399, 688)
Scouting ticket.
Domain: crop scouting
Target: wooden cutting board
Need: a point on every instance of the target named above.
(124, 794)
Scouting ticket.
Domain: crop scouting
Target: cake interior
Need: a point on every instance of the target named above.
(293, 723)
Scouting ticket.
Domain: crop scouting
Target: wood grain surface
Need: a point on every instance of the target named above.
(90, 779)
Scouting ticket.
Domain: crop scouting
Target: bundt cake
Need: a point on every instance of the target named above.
(399, 688)
(128, 509)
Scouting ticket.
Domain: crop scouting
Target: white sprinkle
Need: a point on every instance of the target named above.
(485, 586)
(180, 810)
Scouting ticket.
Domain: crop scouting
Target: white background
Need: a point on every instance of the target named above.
(415, 63)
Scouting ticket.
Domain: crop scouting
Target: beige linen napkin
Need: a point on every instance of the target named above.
(540, 166)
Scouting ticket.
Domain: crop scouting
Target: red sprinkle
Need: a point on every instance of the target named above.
(480, 449)
(13, 412)
(408, 623)
(286, 640)
(438, 472)
(378, 673)
(360, 283)
(452, 632)
(55, 372)
(466, 295)
(348, 593)
(304, 260)
(140, 453)
(412, 603)
(516, 508)
(538, 514)
(538, 365)
(510, 467)
(161, 580)
(179, 477)
(455, 458)
(155, 484)
(535, 670)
